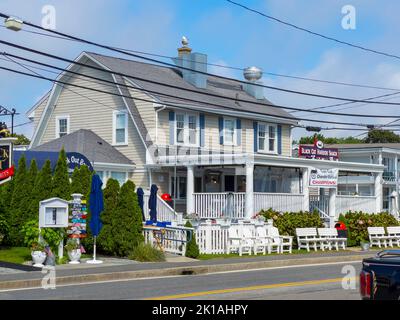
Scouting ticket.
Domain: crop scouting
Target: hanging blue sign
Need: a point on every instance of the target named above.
(75, 159)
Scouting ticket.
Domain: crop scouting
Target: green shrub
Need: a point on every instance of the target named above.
(4, 228)
(30, 234)
(146, 253)
(357, 224)
(288, 222)
(61, 187)
(192, 249)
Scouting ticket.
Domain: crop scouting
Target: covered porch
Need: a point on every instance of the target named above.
(241, 185)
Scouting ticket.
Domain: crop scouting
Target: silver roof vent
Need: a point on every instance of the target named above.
(252, 74)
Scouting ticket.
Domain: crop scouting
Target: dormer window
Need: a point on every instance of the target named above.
(62, 126)
(187, 129)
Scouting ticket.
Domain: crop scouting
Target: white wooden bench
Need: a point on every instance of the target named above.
(307, 237)
(377, 237)
(263, 242)
(331, 238)
(394, 234)
(238, 243)
(284, 242)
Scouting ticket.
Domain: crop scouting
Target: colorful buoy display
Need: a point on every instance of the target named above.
(77, 224)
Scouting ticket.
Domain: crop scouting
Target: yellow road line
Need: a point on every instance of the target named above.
(251, 288)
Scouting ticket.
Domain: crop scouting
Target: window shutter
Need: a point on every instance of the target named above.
(171, 127)
(221, 130)
(202, 126)
(279, 133)
(255, 127)
(239, 132)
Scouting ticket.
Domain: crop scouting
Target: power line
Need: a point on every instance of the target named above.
(182, 68)
(189, 99)
(227, 66)
(172, 104)
(313, 32)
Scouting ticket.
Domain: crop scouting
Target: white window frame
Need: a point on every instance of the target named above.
(266, 143)
(58, 118)
(186, 129)
(116, 171)
(115, 143)
(234, 140)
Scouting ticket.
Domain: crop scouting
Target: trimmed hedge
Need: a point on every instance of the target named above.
(358, 222)
(192, 249)
(288, 222)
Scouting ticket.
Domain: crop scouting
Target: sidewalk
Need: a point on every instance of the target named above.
(83, 273)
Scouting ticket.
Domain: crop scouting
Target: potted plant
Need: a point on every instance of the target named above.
(73, 248)
(38, 254)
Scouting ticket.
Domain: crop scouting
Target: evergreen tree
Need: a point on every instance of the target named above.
(19, 194)
(42, 189)
(61, 186)
(30, 184)
(127, 222)
(76, 186)
(105, 239)
(6, 190)
(192, 249)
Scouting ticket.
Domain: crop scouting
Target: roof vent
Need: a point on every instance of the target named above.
(253, 75)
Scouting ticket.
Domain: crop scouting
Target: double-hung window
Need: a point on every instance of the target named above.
(229, 131)
(187, 129)
(267, 138)
(120, 132)
(62, 126)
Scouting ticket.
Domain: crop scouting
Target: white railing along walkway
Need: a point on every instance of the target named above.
(217, 205)
(355, 203)
(164, 211)
(282, 202)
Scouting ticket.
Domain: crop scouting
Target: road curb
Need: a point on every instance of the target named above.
(176, 271)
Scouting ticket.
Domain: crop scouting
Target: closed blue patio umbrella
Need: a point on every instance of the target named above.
(153, 203)
(140, 194)
(96, 206)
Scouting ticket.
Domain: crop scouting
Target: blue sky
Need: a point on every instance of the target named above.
(230, 36)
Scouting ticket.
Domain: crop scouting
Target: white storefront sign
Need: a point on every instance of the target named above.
(324, 178)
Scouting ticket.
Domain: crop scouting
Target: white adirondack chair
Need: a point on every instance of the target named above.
(237, 243)
(330, 238)
(394, 234)
(284, 243)
(264, 243)
(377, 237)
(307, 237)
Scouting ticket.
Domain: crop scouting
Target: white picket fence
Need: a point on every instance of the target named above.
(355, 203)
(212, 237)
(164, 211)
(282, 202)
(169, 239)
(217, 205)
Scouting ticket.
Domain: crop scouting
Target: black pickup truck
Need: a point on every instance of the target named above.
(380, 276)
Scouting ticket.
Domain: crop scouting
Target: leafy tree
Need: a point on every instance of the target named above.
(382, 136)
(19, 194)
(105, 239)
(30, 184)
(22, 139)
(61, 186)
(192, 249)
(127, 223)
(329, 140)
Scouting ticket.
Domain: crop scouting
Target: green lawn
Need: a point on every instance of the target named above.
(15, 255)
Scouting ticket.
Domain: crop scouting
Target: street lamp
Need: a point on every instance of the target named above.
(13, 23)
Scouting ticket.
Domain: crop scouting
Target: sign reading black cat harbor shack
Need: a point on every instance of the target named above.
(6, 167)
(317, 151)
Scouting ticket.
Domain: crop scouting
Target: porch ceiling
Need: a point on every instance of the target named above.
(264, 159)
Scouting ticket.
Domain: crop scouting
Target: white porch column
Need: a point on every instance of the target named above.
(378, 191)
(332, 206)
(190, 190)
(249, 198)
(306, 190)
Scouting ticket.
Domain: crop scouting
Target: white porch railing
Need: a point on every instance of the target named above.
(355, 203)
(217, 205)
(164, 211)
(282, 202)
(169, 239)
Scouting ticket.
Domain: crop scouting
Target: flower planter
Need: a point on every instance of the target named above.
(74, 256)
(38, 258)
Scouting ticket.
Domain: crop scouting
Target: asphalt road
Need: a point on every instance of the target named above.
(309, 282)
